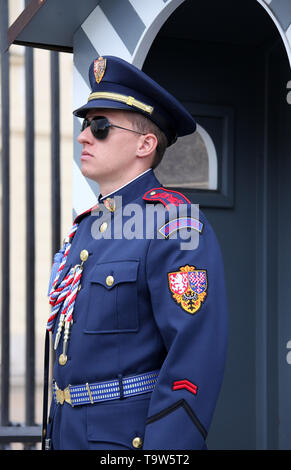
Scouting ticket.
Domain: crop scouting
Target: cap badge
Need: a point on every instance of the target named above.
(99, 68)
(189, 287)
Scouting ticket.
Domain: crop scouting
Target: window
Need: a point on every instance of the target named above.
(201, 164)
(190, 163)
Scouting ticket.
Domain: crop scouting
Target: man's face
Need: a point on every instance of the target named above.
(110, 159)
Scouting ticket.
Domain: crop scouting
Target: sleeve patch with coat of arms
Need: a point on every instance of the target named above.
(189, 287)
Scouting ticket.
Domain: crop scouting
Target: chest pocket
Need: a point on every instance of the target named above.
(113, 298)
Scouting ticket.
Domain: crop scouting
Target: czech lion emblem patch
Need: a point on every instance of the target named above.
(189, 287)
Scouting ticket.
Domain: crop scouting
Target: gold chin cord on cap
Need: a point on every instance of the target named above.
(129, 100)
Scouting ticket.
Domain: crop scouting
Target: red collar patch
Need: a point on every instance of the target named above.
(84, 214)
(166, 197)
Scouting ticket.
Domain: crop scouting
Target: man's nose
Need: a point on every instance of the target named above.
(85, 136)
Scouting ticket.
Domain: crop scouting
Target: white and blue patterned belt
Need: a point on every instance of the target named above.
(122, 387)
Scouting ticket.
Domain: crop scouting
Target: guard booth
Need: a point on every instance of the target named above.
(229, 64)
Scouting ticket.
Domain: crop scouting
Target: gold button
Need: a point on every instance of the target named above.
(137, 442)
(103, 227)
(84, 255)
(152, 193)
(63, 359)
(109, 280)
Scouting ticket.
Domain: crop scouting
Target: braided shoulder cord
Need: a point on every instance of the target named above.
(58, 294)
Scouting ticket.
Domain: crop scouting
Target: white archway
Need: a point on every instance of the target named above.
(285, 35)
(155, 23)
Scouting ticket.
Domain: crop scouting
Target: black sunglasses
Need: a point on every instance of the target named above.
(100, 127)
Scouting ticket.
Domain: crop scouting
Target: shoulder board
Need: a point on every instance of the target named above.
(84, 214)
(166, 197)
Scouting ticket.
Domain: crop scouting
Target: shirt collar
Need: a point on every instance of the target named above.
(101, 197)
(131, 191)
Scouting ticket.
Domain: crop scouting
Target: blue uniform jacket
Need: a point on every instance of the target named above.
(166, 310)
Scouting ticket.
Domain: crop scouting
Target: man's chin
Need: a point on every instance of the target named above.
(87, 173)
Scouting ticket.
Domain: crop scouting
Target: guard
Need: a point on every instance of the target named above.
(139, 321)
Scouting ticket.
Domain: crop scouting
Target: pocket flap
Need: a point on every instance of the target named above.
(112, 273)
(118, 422)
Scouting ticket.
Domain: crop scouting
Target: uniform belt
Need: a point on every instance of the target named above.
(115, 389)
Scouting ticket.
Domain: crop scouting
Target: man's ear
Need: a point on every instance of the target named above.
(146, 145)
